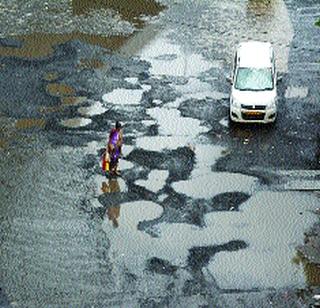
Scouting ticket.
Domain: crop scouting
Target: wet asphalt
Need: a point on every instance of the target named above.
(205, 214)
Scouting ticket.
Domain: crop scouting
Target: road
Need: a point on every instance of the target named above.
(205, 214)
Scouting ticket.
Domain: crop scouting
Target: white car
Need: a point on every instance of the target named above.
(254, 84)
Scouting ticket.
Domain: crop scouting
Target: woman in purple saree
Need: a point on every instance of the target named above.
(114, 147)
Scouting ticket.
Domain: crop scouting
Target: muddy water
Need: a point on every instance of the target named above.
(42, 25)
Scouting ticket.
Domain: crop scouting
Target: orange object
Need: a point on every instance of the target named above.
(105, 162)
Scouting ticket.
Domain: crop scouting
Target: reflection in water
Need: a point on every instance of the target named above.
(113, 212)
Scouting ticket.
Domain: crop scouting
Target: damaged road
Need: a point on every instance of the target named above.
(205, 214)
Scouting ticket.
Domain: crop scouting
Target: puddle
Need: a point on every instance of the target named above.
(30, 123)
(206, 156)
(171, 123)
(175, 131)
(73, 100)
(37, 45)
(199, 90)
(90, 64)
(160, 143)
(125, 96)
(59, 89)
(95, 109)
(95, 203)
(127, 149)
(50, 76)
(128, 10)
(75, 122)
(108, 24)
(162, 197)
(170, 59)
(269, 222)
(273, 225)
(156, 180)
(129, 246)
(194, 85)
(103, 185)
(302, 185)
(148, 122)
(50, 109)
(132, 80)
(125, 164)
(210, 184)
(296, 92)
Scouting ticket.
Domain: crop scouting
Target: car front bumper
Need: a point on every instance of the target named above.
(252, 116)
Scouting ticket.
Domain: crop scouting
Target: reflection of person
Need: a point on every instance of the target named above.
(114, 147)
(111, 187)
(113, 212)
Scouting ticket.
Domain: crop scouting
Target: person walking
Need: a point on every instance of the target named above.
(114, 147)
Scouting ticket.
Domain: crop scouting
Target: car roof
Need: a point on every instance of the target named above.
(254, 54)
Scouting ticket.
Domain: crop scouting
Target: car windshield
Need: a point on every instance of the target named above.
(254, 79)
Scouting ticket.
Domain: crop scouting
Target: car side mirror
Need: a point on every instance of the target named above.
(229, 79)
(279, 78)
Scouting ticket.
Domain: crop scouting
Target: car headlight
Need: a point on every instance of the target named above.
(272, 104)
(235, 103)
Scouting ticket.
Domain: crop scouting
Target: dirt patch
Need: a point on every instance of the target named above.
(129, 10)
(37, 45)
(73, 100)
(90, 64)
(46, 110)
(311, 270)
(3, 144)
(51, 76)
(30, 123)
(59, 89)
